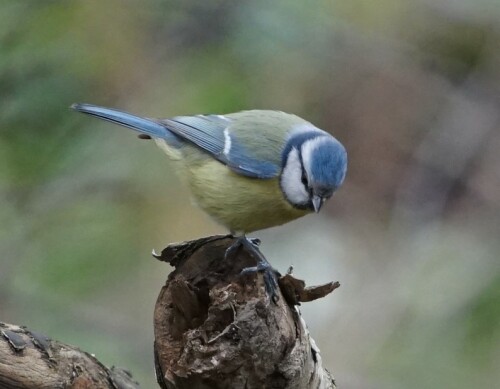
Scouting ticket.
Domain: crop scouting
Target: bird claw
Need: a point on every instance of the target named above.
(269, 274)
(263, 266)
(255, 241)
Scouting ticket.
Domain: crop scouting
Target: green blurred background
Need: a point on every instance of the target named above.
(412, 88)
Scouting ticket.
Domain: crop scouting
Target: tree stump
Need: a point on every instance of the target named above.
(217, 328)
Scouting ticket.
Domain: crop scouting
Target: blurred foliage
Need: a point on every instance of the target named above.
(411, 87)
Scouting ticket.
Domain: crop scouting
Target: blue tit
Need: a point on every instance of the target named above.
(248, 170)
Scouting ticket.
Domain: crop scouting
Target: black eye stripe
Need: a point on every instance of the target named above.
(303, 178)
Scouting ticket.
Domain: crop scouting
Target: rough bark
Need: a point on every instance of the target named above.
(216, 328)
(29, 360)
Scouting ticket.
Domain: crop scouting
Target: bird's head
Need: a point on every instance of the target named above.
(314, 165)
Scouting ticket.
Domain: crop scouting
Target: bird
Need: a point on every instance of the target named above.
(249, 170)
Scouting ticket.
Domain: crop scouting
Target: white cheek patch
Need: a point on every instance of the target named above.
(291, 180)
(307, 150)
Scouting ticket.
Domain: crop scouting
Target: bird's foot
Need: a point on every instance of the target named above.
(270, 275)
(263, 266)
(251, 244)
(255, 241)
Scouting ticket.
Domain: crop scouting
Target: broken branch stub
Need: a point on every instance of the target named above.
(30, 360)
(216, 328)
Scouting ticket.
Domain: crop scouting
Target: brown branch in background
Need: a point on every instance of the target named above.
(29, 360)
(216, 328)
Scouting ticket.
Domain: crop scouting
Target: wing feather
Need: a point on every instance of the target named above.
(210, 133)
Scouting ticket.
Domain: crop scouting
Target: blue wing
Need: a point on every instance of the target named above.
(212, 133)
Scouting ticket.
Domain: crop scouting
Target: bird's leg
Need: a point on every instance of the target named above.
(242, 241)
(255, 241)
(263, 265)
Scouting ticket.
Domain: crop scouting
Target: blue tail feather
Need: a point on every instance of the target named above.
(137, 123)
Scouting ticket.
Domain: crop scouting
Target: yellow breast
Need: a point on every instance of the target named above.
(240, 203)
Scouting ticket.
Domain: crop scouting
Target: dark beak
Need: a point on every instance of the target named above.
(317, 202)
